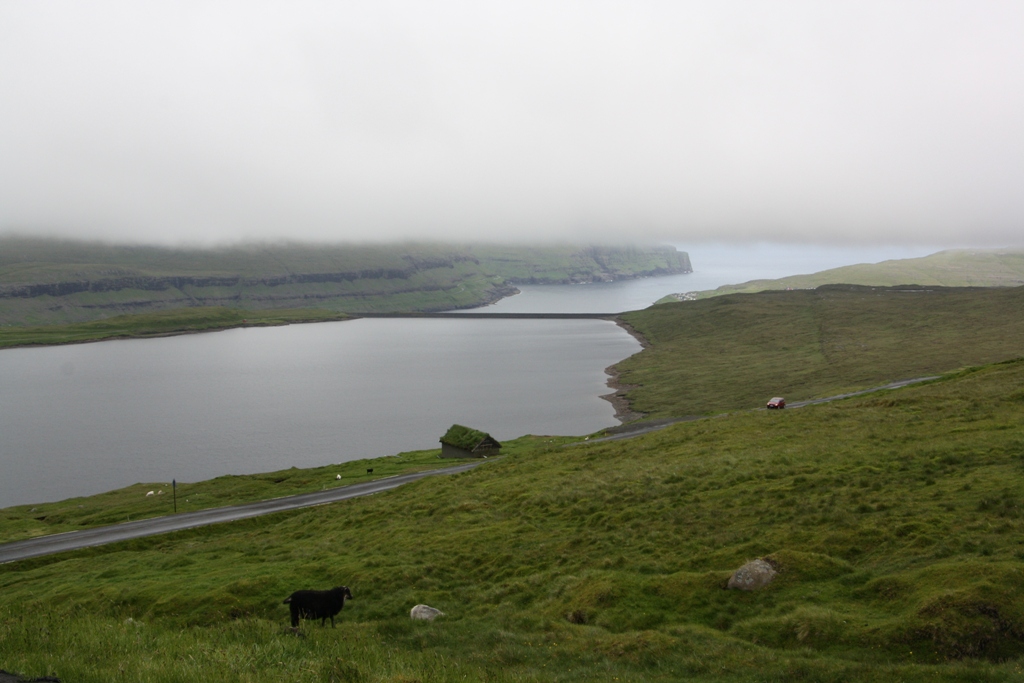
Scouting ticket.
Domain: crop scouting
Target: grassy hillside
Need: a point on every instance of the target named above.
(132, 504)
(895, 521)
(737, 351)
(161, 323)
(51, 282)
(953, 268)
(32, 260)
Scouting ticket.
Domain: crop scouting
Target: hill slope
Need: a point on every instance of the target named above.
(47, 282)
(895, 522)
(739, 350)
(952, 268)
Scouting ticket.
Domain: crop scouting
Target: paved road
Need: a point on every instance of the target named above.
(75, 540)
(892, 385)
(647, 428)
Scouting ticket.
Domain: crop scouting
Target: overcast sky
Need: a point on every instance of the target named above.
(827, 122)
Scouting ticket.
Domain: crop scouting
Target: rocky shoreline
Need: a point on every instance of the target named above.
(620, 402)
(623, 410)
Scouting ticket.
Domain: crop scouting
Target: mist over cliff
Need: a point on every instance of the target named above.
(48, 281)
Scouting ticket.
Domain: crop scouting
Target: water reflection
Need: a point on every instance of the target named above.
(87, 418)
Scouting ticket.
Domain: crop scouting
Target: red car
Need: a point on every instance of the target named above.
(777, 403)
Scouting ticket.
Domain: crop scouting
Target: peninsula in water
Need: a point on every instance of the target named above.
(51, 282)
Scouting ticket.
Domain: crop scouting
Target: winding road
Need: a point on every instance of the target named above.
(624, 432)
(87, 538)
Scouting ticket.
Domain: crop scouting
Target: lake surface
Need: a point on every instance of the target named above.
(82, 419)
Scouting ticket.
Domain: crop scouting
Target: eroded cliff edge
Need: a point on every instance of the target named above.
(49, 281)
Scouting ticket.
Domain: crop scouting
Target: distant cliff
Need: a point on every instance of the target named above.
(48, 281)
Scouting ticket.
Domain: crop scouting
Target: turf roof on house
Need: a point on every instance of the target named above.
(464, 437)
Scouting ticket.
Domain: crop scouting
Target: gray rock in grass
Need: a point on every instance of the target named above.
(425, 612)
(752, 576)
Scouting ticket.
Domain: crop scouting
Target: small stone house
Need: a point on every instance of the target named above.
(463, 442)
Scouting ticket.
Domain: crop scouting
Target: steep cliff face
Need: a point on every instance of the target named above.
(159, 284)
(78, 282)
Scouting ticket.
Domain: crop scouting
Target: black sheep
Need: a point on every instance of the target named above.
(317, 604)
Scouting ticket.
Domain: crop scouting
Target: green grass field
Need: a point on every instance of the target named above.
(953, 268)
(737, 351)
(160, 323)
(896, 521)
(131, 503)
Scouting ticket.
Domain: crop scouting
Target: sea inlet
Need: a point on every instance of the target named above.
(82, 419)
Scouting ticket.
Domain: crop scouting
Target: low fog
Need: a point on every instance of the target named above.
(213, 122)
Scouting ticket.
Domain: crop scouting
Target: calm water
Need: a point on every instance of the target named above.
(77, 420)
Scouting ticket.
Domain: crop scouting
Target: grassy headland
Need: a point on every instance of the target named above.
(159, 324)
(895, 520)
(46, 282)
(739, 350)
(952, 268)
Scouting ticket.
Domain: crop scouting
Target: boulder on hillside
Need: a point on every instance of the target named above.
(752, 576)
(425, 612)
